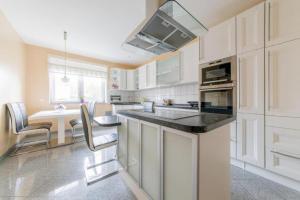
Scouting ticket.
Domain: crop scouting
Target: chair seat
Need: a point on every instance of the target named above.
(75, 122)
(106, 140)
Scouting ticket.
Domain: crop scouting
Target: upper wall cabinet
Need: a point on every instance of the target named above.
(190, 63)
(282, 79)
(168, 70)
(282, 21)
(131, 80)
(219, 42)
(250, 29)
(251, 82)
(118, 79)
(151, 75)
(142, 73)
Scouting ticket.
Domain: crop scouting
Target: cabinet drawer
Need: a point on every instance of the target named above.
(284, 141)
(283, 164)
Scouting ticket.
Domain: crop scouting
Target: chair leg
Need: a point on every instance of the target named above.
(49, 138)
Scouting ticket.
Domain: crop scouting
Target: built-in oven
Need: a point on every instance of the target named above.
(218, 86)
(218, 72)
(218, 99)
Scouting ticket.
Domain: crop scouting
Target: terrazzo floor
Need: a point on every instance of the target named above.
(58, 173)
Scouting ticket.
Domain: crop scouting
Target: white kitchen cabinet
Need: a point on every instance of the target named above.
(282, 79)
(282, 21)
(179, 153)
(233, 140)
(251, 82)
(142, 73)
(251, 29)
(150, 159)
(130, 80)
(117, 79)
(151, 75)
(219, 42)
(190, 63)
(168, 70)
(250, 139)
(122, 144)
(133, 151)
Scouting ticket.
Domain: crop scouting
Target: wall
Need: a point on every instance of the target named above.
(37, 82)
(12, 76)
(179, 94)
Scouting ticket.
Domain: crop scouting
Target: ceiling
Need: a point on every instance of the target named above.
(97, 28)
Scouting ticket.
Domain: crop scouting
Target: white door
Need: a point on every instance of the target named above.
(122, 144)
(133, 161)
(282, 79)
(250, 138)
(219, 42)
(190, 63)
(142, 71)
(130, 80)
(151, 75)
(251, 29)
(282, 21)
(251, 82)
(150, 159)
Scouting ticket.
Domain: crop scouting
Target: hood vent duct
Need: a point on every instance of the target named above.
(170, 28)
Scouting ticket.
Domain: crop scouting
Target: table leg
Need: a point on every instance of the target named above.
(61, 130)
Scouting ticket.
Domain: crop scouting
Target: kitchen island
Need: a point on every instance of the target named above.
(174, 155)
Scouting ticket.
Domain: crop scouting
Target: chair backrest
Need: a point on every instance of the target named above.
(91, 108)
(87, 127)
(24, 113)
(16, 116)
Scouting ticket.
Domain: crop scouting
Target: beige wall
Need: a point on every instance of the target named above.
(37, 83)
(12, 78)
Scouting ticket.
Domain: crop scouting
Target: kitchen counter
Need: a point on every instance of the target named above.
(178, 106)
(194, 122)
(125, 103)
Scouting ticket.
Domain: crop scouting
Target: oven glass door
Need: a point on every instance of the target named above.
(216, 74)
(217, 101)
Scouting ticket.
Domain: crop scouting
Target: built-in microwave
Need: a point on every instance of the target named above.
(218, 72)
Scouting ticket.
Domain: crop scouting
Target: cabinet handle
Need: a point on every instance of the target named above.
(269, 21)
(287, 154)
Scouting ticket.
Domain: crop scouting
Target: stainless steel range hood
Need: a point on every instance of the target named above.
(169, 28)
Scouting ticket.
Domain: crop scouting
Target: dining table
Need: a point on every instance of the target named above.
(59, 115)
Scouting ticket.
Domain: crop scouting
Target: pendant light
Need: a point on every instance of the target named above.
(65, 78)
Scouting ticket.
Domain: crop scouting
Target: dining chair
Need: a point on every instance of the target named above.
(96, 143)
(26, 130)
(77, 123)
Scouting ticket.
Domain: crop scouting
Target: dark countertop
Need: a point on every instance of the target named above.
(201, 123)
(179, 106)
(125, 103)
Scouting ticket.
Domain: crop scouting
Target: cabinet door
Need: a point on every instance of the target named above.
(122, 144)
(190, 63)
(180, 165)
(251, 82)
(282, 21)
(115, 79)
(151, 74)
(150, 159)
(142, 77)
(130, 80)
(250, 138)
(282, 79)
(219, 42)
(251, 29)
(123, 78)
(133, 161)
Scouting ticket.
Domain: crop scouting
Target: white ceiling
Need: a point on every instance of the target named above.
(97, 28)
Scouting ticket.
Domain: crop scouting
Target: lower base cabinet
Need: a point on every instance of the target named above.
(250, 139)
(179, 150)
(150, 159)
(122, 145)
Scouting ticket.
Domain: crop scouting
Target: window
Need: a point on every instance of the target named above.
(86, 82)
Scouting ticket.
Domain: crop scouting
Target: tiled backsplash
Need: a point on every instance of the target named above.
(126, 96)
(178, 94)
